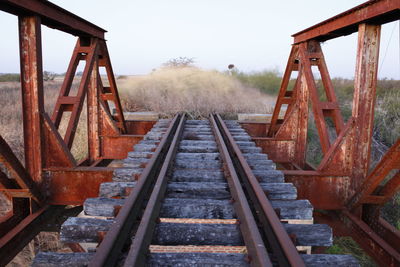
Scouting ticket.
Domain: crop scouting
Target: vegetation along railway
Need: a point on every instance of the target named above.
(182, 192)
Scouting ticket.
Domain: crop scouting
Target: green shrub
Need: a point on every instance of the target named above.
(9, 77)
(346, 245)
(267, 81)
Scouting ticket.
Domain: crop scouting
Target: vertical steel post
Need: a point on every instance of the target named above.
(301, 137)
(32, 93)
(93, 113)
(364, 100)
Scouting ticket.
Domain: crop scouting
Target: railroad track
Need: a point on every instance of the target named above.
(196, 193)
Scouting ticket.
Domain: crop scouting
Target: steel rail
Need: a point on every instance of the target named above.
(109, 249)
(277, 238)
(257, 251)
(140, 244)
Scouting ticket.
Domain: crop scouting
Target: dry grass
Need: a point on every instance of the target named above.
(194, 91)
(11, 116)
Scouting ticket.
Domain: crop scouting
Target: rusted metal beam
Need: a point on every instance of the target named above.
(17, 193)
(387, 232)
(53, 16)
(105, 61)
(20, 235)
(300, 110)
(279, 150)
(365, 80)
(66, 85)
(20, 209)
(339, 159)
(20, 176)
(305, 51)
(57, 153)
(71, 186)
(32, 94)
(294, 125)
(290, 67)
(107, 124)
(375, 12)
(389, 162)
(322, 190)
(117, 147)
(47, 218)
(255, 129)
(5, 182)
(93, 113)
(139, 127)
(331, 106)
(378, 248)
(75, 107)
(390, 188)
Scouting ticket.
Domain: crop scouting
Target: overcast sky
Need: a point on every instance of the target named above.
(254, 35)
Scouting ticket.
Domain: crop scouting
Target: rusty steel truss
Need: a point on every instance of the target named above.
(51, 178)
(348, 196)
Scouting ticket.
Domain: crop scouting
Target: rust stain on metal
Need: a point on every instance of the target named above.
(73, 186)
(118, 147)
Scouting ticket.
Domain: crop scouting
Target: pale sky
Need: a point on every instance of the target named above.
(254, 35)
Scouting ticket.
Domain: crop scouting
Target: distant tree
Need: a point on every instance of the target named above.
(179, 62)
(48, 75)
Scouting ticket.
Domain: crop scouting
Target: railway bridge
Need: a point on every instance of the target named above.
(198, 192)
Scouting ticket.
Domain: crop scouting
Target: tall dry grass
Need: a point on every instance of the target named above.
(194, 91)
(11, 116)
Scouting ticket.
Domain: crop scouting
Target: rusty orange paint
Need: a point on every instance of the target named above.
(278, 150)
(376, 11)
(256, 129)
(307, 183)
(139, 127)
(118, 147)
(72, 186)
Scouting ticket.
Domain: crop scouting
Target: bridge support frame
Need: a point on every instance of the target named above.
(51, 177)
(342, 176)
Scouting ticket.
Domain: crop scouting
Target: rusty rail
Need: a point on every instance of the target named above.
(108, 251)
(277, 238)
(251, 235)
(142, 240)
